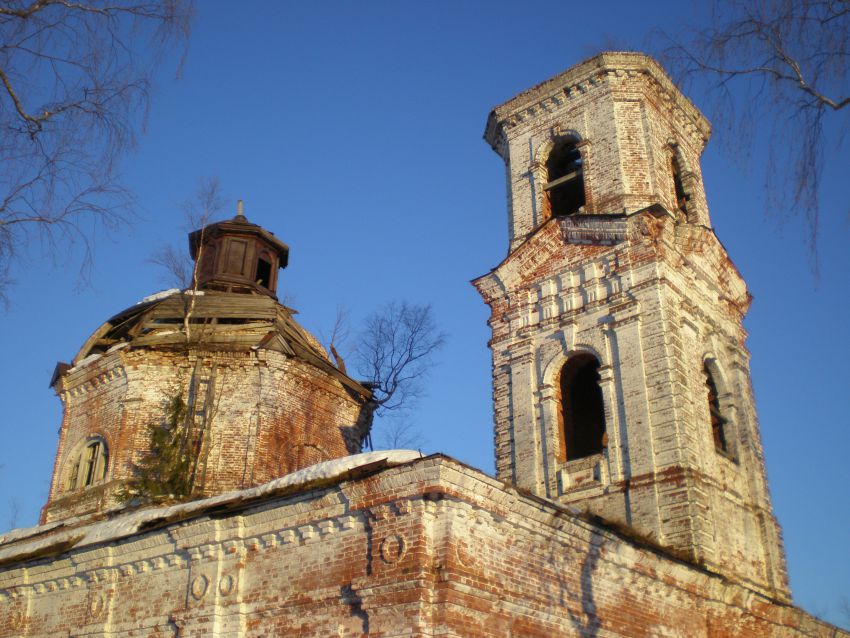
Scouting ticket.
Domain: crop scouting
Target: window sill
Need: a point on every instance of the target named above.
(728, 456)
(584, 473)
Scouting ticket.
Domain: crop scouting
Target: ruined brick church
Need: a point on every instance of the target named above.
(630, 496)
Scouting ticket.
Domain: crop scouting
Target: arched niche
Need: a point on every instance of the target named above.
(582, 407)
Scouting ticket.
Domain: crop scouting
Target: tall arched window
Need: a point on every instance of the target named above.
(582, 409)
(565, 187)
(87, 465)
(718, 421)
(264, 270)
(681, 195)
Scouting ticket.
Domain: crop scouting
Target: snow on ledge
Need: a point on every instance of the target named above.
(84, 362)
(118, 346)
(127, 524)
(162, 294)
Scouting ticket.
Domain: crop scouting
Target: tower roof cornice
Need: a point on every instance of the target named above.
(239, 225)
(578, 80)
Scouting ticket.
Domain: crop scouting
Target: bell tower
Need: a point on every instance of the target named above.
(621, 381)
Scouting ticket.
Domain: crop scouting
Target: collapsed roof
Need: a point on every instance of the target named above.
(210, 319)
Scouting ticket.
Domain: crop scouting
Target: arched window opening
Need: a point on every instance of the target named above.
(565, 187)
(681, 195)
(73, 474)
(88, 466)
(582, 408)
(264, 272)
(718, 422)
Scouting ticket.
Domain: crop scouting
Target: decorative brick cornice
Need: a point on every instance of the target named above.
(599, 230)
(211, 552)
(87, 385)
(586, 76)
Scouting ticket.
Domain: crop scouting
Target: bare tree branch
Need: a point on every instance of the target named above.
(14, 512)
(176, 268)
(74, 90)
(844, 609)
(395, 353)
(781, 62)
(339, 336)
(399, 433)
(179, 267)
(207, 205)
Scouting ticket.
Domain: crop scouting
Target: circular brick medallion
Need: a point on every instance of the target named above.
(393, 548)
(200, 585)
(96, 605)
(226, 584)
(462, 552)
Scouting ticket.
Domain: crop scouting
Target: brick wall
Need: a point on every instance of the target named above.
(263, 415)
(430, 548)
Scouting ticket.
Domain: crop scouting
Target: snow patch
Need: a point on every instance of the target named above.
(119, 346)
(84, 362)
(127, 524)
(330, 469)
(162, 294)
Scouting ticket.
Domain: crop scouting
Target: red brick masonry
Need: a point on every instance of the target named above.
(426, 548)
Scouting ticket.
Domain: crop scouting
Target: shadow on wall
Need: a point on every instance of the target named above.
(580, 605)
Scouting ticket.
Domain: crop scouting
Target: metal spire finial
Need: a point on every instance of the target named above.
(240, 209)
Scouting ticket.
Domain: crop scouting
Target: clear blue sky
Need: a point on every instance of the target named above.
(353, 131)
